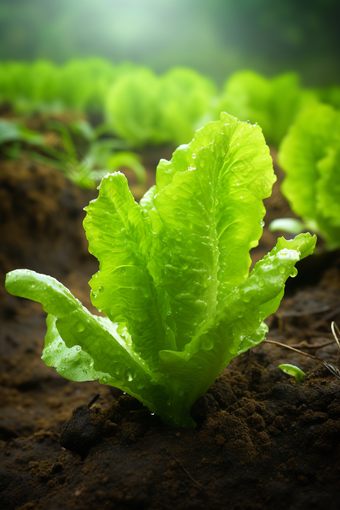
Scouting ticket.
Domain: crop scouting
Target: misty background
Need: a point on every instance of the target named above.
(216, 37)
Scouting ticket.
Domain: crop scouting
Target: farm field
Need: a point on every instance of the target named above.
(261, 439)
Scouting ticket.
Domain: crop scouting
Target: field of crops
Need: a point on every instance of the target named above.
(193, 301)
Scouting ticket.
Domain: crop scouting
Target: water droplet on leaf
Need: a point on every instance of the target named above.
(128, 374)
(208, 344)
(80, 327)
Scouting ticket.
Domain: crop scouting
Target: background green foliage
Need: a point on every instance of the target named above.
(310, 156)
(272, 103)
(144, 108)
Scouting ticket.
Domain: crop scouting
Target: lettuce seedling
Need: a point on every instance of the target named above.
(100, 157)
(85, 172)
(310, 157)
(174, 280)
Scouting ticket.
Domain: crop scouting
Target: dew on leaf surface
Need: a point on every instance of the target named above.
(208, 344)
(129, 375)
(80, 327)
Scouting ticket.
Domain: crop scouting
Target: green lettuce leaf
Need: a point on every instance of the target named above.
(144, 108)
(310, 157)
(173, 277)
(123, 288)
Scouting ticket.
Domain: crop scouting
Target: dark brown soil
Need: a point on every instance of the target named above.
(261, 442)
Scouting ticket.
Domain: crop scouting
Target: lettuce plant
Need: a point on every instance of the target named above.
(132, 106)
(273, 103)
(310, 157)
(144, 108)
(186, 103)
(13, 80)
(85, 83)
(78, 85)
(30, 86)
(246, 95)
(174, 281)
(43, 86)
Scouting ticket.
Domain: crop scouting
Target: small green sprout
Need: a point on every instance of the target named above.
(290, 225)
(294, 371)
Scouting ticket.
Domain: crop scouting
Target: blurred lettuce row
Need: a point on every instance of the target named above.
(310, 157)
(79, 85)
(145, 109)
(141, 107)
(85, 83)
(273, 103)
